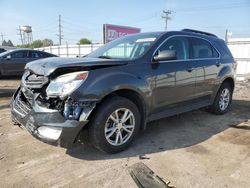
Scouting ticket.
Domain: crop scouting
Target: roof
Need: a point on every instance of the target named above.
(189, 32)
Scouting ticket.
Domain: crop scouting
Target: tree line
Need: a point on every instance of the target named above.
(41, 43)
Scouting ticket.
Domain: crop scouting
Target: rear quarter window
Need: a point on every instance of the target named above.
(44, 54)
(224, 50)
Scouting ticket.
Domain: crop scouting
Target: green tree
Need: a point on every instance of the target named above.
(10, 44)
(84, 41)
(24, 46)
(4, 43)
(37, 44)
(47, 42)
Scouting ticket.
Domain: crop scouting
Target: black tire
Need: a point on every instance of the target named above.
(100, 117)
(215, 107)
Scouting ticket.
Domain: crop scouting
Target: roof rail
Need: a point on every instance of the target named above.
(200, 32)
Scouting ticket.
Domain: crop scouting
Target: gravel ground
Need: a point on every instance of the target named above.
(195, 149)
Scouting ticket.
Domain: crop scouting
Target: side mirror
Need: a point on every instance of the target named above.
(165, 55)
(8, 57)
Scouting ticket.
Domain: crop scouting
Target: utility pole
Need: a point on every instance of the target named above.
(166, 17)
(2, 37)
(60, 36)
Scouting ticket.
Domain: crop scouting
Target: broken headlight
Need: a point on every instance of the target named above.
(66, 84)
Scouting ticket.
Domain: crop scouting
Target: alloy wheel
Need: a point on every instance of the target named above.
(119, 126)
(224, 99)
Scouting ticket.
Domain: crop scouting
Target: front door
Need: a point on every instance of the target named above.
(18, 61)
(174, 79)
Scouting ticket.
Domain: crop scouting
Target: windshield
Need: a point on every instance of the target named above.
(129, 47)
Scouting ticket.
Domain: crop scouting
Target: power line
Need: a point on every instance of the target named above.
(166, 17)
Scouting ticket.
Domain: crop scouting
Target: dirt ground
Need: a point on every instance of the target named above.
(195, 149)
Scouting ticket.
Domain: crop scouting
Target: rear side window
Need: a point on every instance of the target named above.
(42, 55)
(35, 54)
(202, 49)
(179, 44)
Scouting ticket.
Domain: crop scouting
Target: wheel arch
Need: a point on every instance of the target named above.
(226, 79)
(229, 80)
(136, 98)
(130, 94)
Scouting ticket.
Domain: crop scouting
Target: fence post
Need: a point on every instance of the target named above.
(58, 50)
(67, 49)
(91, 47)
(79, 47)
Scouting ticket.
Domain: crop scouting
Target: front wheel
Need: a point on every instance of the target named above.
(115, 124)
(223, 99)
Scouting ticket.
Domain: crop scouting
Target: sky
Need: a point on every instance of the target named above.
(85, 18)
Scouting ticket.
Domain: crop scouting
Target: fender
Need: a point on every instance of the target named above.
(225, 72)
(101, 85)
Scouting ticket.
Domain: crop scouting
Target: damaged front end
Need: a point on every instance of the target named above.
(47, 110)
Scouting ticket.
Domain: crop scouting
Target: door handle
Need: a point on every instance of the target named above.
(190, 69)
(218, 64)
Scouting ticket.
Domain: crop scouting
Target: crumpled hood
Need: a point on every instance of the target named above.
(49, 65)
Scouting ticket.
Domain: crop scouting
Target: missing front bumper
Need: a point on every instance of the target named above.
(56, 129)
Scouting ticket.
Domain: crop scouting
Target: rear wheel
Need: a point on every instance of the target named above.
(223, 99)
(114, 125)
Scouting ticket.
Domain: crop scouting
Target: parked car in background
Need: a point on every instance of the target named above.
(12, 62)
(116, 90)
(6, 48)
(2, 50)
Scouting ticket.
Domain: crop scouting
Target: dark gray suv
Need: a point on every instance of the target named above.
(115, 91)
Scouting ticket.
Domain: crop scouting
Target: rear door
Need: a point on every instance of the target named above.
(207, 65)
(174, 79)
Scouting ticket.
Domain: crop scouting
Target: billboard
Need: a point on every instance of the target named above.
(112, 32)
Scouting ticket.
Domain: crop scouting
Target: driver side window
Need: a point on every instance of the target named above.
(178, 44)
(19, 54)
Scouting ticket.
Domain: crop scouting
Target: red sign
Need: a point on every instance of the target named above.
(112, 32)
